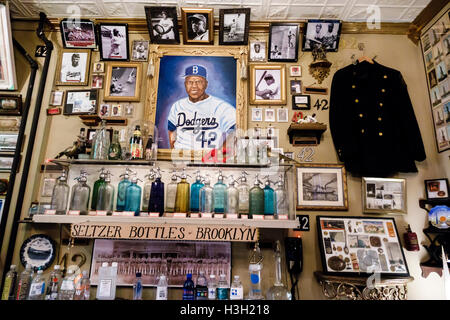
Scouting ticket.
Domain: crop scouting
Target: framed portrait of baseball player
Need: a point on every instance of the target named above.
(198, 25)
(139, 50)
(78, 34)
(114, 43)
(197, 101)
(162, 24)
(283, 42)
(234, 26)
(123, 81)
(268, 84)
(73, 68)
(322, 33)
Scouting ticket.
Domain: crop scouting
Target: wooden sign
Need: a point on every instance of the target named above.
(151, 231)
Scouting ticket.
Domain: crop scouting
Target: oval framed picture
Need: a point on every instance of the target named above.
(39, 251)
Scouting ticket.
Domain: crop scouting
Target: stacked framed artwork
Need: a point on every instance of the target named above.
(435, 43)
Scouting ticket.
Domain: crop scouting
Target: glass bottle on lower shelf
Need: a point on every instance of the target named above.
(105, 200)
(115, 150)
(281, 198)
(244, 191)
(147, 190)
(256, 199)
(156, 203)
(182, 197)
(97, 185)
(255, 267)
(220, 195)
(171, 193)
(278, 291)
(206, 197)
(269, 199)
(122, 189)
(60, 195)
(195, 193)
(133, 197)
(232, 197)
(81, 192)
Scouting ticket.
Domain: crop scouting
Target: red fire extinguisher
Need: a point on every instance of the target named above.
(411, 242)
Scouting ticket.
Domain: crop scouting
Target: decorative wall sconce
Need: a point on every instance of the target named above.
(320, 67)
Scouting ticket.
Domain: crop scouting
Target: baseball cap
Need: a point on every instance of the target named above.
(199, 17)
(268, 76)
(195, 70)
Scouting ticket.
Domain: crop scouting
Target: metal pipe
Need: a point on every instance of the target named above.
(31, 140)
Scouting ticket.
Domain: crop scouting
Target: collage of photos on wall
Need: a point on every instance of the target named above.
(436, 53)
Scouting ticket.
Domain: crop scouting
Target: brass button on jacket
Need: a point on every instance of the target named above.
(379, 120)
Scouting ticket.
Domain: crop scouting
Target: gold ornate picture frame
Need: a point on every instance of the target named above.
(123, 78)
(268, 84)
(198, 25)
(73, 67)
(157, 52)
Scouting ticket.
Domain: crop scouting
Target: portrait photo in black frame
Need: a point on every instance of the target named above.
(283, 42)
(78, 33)
(301, 102)
(10, 105)
(437, 189)
(234, 26)
(113, 41)
(162, 24)
(350, 246)
(324, 33)
(79, 102)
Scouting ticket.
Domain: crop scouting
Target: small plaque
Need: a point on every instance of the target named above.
(53, 111)
(117, 213)
(128, 213)
(102, 213)
(154, 214)
(258, 217)
(143, 214)
(179, 215)
(206, 215)
(74, 212)
(218, 215)
(283, 217)
(244, 216)
(268, 217)
(50, 212)
(231, 216)
(92, 213)
(195, 215)
(168, 215)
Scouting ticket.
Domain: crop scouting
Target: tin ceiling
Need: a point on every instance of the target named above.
(262, 10)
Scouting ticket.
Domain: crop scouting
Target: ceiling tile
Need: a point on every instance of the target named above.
(395, 2)
(332, 12)
(304, 12)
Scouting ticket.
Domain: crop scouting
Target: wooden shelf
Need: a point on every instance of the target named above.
(67, 219)
(309, 133)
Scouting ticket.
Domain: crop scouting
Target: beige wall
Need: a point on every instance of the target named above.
(58, 132)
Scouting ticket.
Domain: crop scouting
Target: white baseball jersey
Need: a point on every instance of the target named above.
(166, 24)
(72, 74)
(274, 90)
(202, 124)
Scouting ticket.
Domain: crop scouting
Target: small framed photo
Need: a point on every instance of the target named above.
(256, 114)
(295, 71)
(104, 110)
(321, 187)
(99, 67)
(198, 25)
(296, 86)
(6, 162)
(116, 110)
(282, 114)
(97, 81)
(10, 104)
(56, 98)
(81, 102)
(129, 110)
(267, 84)
(234, 26)
(385, 196)
(78, 34)
(73, 68)
(258, 51)
(114, 43)
(270, 115)
(283, 42)
(437, 189)
(8, 142)
(301, 102)
(139, 50)
(123, 81)
(270, 132)
(322, 33)
(162, 24)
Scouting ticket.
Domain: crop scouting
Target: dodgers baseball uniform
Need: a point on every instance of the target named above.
(201, 125)
(274, 92)
(167, 24)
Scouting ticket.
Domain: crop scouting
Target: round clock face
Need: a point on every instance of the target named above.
(39, 251)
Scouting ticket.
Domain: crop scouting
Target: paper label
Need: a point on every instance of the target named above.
(195, 215)
(104, 288)
(244, 216)
(258, 217)
(128, 213)
(154, 214)
(282, 217)
(92, 213)
(268, 217)
(179, 215)
(206, 215)
(231, 216)
(102, 213)
(143, 214)
(117, 213)
(218, 215)
(74, 212)
(50, 212)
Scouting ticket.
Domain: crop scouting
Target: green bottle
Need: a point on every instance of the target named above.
(115, 151)
(256, 199)
(97, 184)
(182, 198)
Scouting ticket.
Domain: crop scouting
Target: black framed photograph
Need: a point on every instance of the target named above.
(258, 51)
(301, 102)
(78, 33)
(162, 24)
(283, 42)
(234, 26)
(6, 162)
(437, 189)
(384, 196)
(81, 102)
(360, 246)
(322, 33)
(10, 105)
(198, 25)
(114, 43)
(139, 50)
(8, 141)
(296, 86)
(73, 68)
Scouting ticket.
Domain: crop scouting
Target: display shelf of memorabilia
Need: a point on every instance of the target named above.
(362, 287)
(437, 237)
(306, 133)
(94, 120)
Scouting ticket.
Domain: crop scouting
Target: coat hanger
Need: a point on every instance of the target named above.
(361, 47)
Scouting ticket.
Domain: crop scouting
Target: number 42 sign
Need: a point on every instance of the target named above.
(304, 222)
